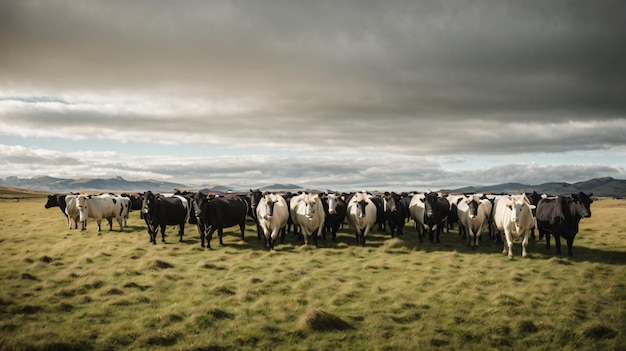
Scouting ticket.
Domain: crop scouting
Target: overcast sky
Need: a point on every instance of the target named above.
(323, 94)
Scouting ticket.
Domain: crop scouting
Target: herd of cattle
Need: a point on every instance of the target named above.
(506, 217)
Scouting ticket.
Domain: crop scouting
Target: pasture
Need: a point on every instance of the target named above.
(71, 290)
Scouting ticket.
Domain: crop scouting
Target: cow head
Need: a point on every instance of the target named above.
(583, 204)
(270, 201)
(430, 203)
(517, 204)
(81, 205)
(149, 200)
(390, 202)
(472, 202)
(310, 201)
(360, 199)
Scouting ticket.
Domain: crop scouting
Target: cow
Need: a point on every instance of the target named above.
(396, 212)
(534, 199)
(416, 210)
(435, 214)
(71, 210)
(292, 203)
(335, 207)
(381, 218)
(560, 217)
(159, 212)
(362, 214)
(216, 213)
(310, 216)
(473, 213)
(59, 200)
(56, 200)
(272, 214)
(102, 207)
(135, 200)
(453, 216)
(513, 219)
(254, 198)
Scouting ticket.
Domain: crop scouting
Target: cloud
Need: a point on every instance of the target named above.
(359, 86)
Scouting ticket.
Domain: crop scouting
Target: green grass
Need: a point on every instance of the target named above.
(66, 290)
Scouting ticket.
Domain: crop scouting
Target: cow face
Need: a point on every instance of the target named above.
(149, 200)
(310, 205)
(430, 203)
(390, 202)
(332, 203)
(472, 204)
(361, 207)
(270, 201)
(583, 204)
(517, 207)
(81, 205)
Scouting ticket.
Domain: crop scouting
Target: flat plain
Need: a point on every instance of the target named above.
(65, 289)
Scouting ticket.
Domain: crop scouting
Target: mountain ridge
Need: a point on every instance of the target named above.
(602, 187)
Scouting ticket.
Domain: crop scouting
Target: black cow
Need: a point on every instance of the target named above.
(336, 208)
(435, 214)
(560, 216)
(159, 211)
(381, 219)
(534, 199)
(396, 212)
(136, 200)
(255, 196)
(216, 213)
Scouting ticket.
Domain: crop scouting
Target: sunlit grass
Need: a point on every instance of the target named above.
(63, 289)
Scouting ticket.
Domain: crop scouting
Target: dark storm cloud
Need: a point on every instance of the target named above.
(446, 79)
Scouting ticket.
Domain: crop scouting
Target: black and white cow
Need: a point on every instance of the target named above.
(560, 217)
(336, 208)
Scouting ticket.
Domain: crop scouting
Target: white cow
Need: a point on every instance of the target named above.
(310, 216)
(361, 215)
(513, 219)
(272, 214)
(473, 214)
(99, 207)
(417, 209)
(71, 210)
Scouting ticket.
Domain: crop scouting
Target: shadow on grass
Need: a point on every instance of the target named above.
(450, 242)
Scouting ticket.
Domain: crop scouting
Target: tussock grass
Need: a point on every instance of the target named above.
(72, 290)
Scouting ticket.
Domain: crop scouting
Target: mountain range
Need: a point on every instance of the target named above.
(603, 187)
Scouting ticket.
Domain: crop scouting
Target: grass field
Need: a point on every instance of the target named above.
(66, 290)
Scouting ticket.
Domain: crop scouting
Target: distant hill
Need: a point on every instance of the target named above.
(602, 187)
(276, 187)
(54, 185)
(15, 193)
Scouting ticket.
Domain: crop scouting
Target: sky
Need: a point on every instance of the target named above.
(323, 94)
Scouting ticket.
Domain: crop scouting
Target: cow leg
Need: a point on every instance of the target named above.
(437, 233)
(181, 231)
(509, 245)
(242, 227)
(524, 245)
(570, 243)
(220, 233)
(557, 243)
(162, 233)
(110, 220)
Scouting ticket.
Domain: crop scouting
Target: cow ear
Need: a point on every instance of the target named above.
(532, 207)
(590, 194)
